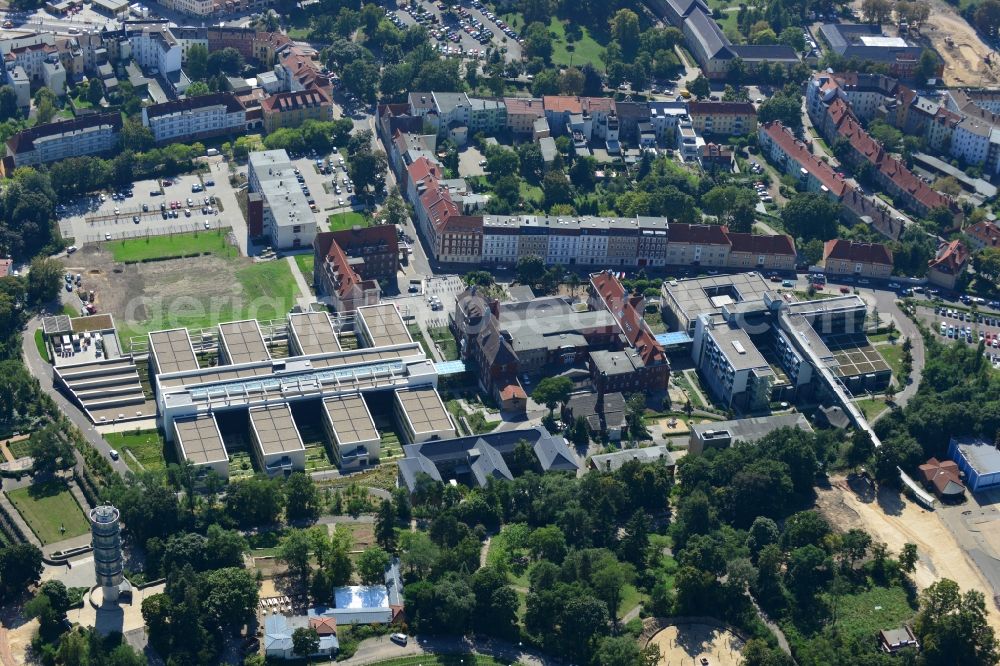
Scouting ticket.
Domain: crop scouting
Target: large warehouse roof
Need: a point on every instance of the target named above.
(351, 421)
(383, 325)
(424, 410)
(313, 332)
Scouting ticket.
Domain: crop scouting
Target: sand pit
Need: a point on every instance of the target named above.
(688, 644)
(965, 57)
(895, 520)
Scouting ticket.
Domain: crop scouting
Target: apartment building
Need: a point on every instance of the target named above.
(664, 118)
(190, 7)
(723, 118)
(793, 158)
(522, 112)
(983, 234)
(86, 135)
(152, 45)
(291, 109)
(459, 116)
(285, 216)
(869, 260)
(195, 118)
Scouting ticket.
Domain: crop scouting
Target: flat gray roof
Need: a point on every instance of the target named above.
(275, 430)
(982, 455)
(750, 430)
(737, 347)
(200, 439)
(243, 341)
(424, 410)
(384, 325)
(313, 332)
(172, 350)
(350, 419)
(609, 462)
(697, 296)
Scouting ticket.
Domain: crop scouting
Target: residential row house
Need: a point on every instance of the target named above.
(832, 114)
(458, 116)
(868, 260)
(795, 159)
(948, 264)
(723, 118)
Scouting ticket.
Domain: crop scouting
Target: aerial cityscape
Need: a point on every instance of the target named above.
(537, 332)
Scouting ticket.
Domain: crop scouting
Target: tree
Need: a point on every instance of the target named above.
(537, 42)
(583, 174)
(952, 626)
(21, 566)
(385, 530)
(196, 89)
(45, 105)
(44, 280)
(548, 543)
(531, 268)
(876, 11)
(367, 170)
(229, 598)
(908, 557)
(501, 162)
(625, 30)
(227, 60)
(95, 92)
(784, 106)
(372, 563)
(394, 210)
(50, 450)
(294, 551)
(987, 17)
(8, 103)
(550, 391)
(700, 86)
(305, 641)
(362, 78)
(254, 501)
(136, 136)
(571, 81)
(419, 552)
(197, 62)
(556, 189)
(609, 581)
(927, 68)
(302, 501)
(810, 215)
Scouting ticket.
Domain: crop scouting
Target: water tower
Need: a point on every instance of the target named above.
(107, 542)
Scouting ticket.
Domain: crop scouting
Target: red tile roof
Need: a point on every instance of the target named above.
(950, 258)
(562, 104)
(798, 151)
(986, 232)
(627, 312)
(324, 626)
(867, 253)
(705, 234)
(756, 244)
(513, 392)
(941, 474)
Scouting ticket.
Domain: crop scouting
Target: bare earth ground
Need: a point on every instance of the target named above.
(965, 62)
(685, 644)
(160, 294)
(892, 518)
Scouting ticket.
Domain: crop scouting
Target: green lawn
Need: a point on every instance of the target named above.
(43, 351)
(531, 193)
(47, 507)
(305, 262)
(148, 447)
(442, 660)
(893, 355)
(577, 53)
(70, 310)
(860, 616)
(175, 245)
(341, 221)
(269, 291)
(871, 407)
(445, 341)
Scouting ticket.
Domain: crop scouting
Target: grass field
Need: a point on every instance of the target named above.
(445, 341)
(342, 221)
(176, 245)
(893, 355)
(43, 351)
(148, 447)
(305, 263)
(47, 507)
(268, 292)
(860, 616)
(871, 406)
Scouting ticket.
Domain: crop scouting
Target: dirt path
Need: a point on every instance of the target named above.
(895, 520)
(965, 57)
(6, 658)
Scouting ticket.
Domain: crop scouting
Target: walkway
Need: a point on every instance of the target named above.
(375, 650)
(307, 298)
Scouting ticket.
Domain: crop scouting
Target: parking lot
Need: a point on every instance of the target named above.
(952, 324)
(418, 306)
(153, 208)
(451, 31)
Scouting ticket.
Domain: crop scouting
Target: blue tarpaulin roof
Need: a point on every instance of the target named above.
(673, 338)
(450, 367)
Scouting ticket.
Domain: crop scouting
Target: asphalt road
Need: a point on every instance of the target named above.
(43, 372)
